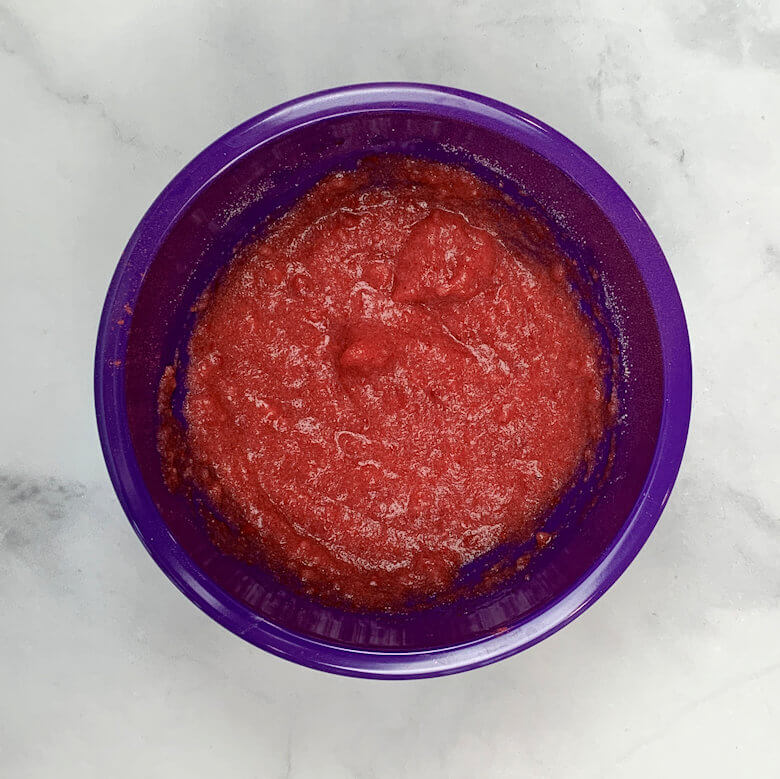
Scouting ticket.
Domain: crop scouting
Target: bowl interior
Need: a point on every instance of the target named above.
(268, 178)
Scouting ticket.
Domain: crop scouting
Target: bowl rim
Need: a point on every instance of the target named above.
(142, 247)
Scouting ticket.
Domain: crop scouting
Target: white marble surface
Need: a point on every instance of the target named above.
(107, 671)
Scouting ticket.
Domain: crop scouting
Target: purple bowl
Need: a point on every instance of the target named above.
(258, 169)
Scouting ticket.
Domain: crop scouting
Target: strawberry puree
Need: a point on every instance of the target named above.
(394, 380)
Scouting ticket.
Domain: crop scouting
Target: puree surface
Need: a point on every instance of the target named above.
(393, 380)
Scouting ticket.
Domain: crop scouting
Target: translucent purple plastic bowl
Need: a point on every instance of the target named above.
(257, 170)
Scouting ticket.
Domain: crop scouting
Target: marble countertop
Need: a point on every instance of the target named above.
(106, 670)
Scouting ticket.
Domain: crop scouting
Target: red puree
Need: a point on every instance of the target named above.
(393, 381)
